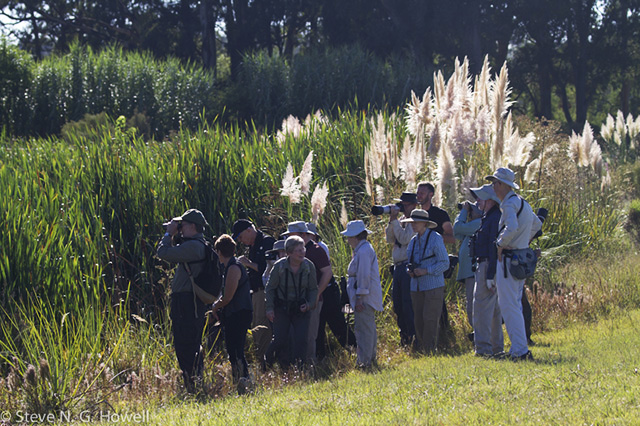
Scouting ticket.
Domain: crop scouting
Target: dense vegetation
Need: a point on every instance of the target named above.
(81, 214)
(572, 60)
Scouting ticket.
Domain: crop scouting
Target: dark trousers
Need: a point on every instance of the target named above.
(402, 305)
(527, 314)
(187, 334)
(235, 336)
(284, 321)
(331, 314)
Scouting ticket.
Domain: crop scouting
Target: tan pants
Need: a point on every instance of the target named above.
(262, 336)
(427, 308)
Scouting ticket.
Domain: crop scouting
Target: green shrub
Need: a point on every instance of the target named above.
(271, 88)
(15, 81)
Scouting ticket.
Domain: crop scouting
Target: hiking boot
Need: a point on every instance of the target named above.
(525, 357)
(500, 355)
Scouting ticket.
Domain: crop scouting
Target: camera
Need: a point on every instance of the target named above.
(388, 209)
(271, 255)
(166, 225)
(411, 267)
(542, 215)
(294, 307)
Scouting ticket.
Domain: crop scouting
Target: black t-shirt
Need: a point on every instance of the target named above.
(439, 216)
(257, 252)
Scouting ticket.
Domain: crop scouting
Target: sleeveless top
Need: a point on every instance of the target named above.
(242, 298)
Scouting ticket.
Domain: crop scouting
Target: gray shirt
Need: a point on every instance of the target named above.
(189, 250)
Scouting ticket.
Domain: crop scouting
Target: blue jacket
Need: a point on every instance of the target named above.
(463, 230)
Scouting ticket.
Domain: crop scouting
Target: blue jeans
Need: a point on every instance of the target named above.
(402, 304)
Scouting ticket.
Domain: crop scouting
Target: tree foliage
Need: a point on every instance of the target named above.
(569, 59)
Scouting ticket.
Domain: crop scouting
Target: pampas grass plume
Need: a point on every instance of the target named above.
(306, 174)
(607, 129)
(319, 201)
(290, 187)
(290, 126)
(344, 217)
(533, 171)
(446, 173)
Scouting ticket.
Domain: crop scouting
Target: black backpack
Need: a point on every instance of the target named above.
(208, 283)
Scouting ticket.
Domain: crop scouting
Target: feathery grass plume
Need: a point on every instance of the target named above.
(481, 126)
(435, 139)
(410, 161)
(500, 104)
(617, 139)
(634, 129)
(533, 171)
(516, 148)
(584, 149)
(576, 150)
(629, 123)
(306, 175)
(290, 186)
(378, 147)
(379, 194)
(344, 217)
(607, 129)
(419, 114)
(470, 179)
(373, 160)
(590, 145)
(439, 89)
(315, 121)
(290, 126)
(319, 201)
(446, 175)
(621, 126)
(367, 173)
(482, 87)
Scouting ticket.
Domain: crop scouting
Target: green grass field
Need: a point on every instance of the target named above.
(584, 374)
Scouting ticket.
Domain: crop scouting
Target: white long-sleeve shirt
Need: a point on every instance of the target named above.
(517, 231)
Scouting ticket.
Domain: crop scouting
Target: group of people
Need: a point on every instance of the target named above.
(284, 290)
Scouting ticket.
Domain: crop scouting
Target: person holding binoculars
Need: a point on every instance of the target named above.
(291, 294)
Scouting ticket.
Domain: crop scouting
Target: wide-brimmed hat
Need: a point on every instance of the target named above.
(312, 229)
(419, 215)
(504, 175)
(277, 246)
(485, 192)
(239, 227)
(354, 228)
(408, 197)
(297, 227)
(191, 215)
